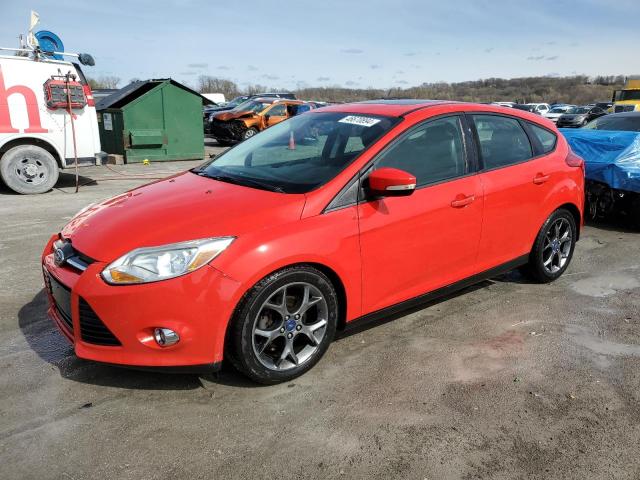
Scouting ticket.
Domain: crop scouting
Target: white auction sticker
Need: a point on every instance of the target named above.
(362, 121)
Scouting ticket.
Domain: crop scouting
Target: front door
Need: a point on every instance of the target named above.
(412, 245)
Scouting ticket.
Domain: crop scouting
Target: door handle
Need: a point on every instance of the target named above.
(462, 201)
(540, 178)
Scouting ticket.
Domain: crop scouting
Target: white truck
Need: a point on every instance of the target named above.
(36, 135)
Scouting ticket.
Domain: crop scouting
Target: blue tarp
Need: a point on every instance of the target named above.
(610, 157)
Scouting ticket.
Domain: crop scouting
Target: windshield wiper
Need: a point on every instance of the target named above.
(240, 181)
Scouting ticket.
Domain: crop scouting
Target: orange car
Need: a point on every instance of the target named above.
(253, 116)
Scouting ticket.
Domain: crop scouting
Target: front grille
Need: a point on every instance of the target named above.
(226, 130)
(61, 299)
(92, 330)
(72, 257)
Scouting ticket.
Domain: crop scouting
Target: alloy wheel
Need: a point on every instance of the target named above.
(557, 246)
(290, 326)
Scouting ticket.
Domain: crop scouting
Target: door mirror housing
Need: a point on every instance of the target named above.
(391, 182)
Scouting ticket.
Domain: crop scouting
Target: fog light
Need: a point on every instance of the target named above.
(165, 337)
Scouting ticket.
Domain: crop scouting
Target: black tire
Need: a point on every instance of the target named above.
(240, 337)
(248, 133)
(544, 246)
(28, 169)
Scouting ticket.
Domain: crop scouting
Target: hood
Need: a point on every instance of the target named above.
(233, 114)
(184, 207)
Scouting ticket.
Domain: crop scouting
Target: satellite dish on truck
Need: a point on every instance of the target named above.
(50, 42)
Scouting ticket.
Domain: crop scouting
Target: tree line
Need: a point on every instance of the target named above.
(578, 89)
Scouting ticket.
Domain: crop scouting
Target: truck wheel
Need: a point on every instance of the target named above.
(28, 169)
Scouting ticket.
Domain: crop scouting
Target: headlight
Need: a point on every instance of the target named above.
(151, 264)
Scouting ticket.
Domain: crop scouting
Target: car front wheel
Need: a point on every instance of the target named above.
(553, 248)
(283, 325)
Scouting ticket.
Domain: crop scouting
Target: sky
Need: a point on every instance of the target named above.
(358, 44)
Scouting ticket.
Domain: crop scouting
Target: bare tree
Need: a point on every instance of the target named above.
(209, 84)
(104, 82)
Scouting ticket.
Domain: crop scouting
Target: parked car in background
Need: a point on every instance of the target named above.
(504, 104)
(540, 108)
(260, 255)
(211, 109)
(524, 106)
(251, 117)
(607, 106)
(628, 122)
(556, 112)
(579, 116)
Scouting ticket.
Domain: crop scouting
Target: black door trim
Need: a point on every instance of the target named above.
(381, 316)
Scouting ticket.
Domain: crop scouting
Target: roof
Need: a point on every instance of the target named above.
(139, 88)
(391, 108)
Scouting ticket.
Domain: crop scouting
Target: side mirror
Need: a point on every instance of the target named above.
(267, 117)
(391, 182)
(86, 59)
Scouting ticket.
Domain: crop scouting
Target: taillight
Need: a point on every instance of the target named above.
(574, 160)
(89, 94)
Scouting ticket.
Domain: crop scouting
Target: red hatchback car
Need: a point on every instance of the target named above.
(345, 213)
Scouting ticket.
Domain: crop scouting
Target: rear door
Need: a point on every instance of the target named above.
(415, 244)
(517, 175)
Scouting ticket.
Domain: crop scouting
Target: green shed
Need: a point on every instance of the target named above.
(152, 119)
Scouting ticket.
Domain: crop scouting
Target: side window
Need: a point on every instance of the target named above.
(503, 142)
(279, 110)
(433, 152)
(547, 138)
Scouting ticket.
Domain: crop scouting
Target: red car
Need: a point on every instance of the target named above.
(340, 215)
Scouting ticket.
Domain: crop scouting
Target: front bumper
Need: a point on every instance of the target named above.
(232, 131)
(198, 306)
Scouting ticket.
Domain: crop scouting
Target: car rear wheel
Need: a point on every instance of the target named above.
(283, 325)
(28, 169)
(553, 248)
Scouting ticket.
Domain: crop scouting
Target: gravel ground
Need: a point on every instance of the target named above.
(506, 380)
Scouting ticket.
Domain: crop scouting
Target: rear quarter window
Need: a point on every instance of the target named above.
(547, 139)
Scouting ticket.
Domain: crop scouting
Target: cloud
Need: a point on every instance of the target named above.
(402, 82)
(417, 67)
(270, 77)
(399, 71)
(222, 67)
(550, 43)
(351, 83)
(536, 58)
(551, 59)
(353, 51)
(188, 74)
(198, 65)
(252, 68)
(323, 79)
(488, 50)
(410, 54)
(375, 66)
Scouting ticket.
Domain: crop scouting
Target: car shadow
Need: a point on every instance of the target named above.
(613, 224)
(68, 180)
(48, 343)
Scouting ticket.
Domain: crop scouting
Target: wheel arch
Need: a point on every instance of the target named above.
(38, 142)
(575, 212)
(333, 276)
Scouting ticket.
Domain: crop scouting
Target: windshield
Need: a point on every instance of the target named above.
(236, 101)
(252, 106)
(558, 110)
(628, 95)
(300, 154)
(614, 122)
(578, 110)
